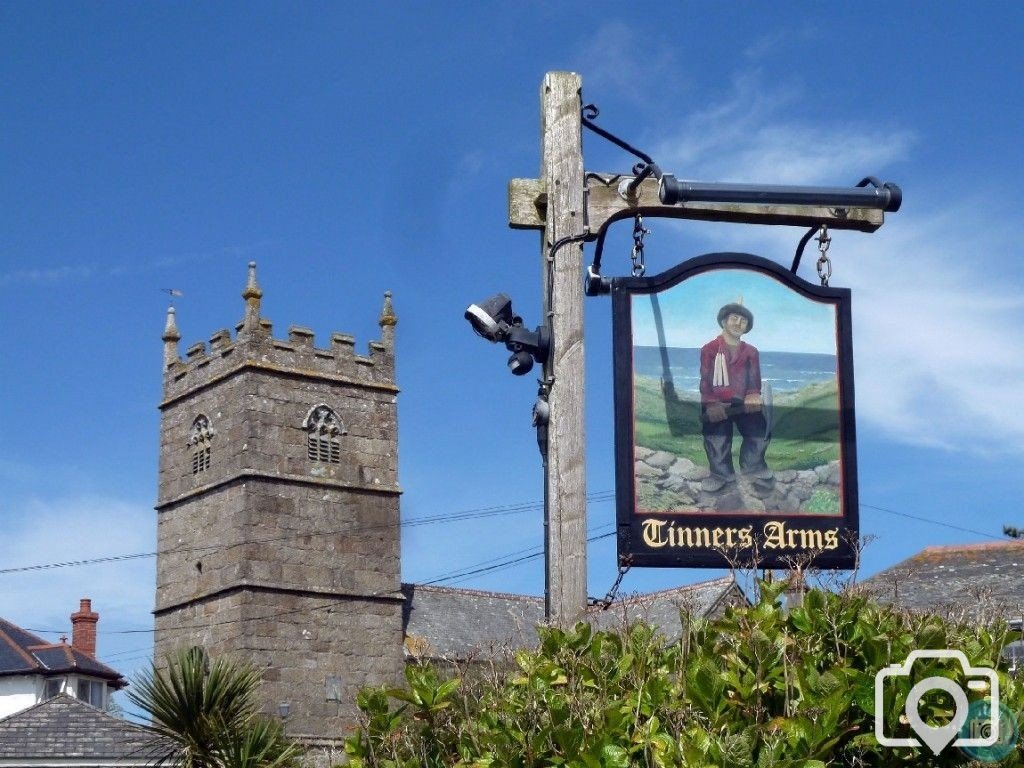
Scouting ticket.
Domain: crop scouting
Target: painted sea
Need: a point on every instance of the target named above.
(785, 371)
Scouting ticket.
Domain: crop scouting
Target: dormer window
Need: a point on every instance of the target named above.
(91, 692)
(52, 687)
(199, 440)
(323, 435)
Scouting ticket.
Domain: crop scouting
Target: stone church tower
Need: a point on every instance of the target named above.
(278, 535)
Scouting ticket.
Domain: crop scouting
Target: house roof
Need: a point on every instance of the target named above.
(963, 581)
(66, 731)
(453, 623)
(23, 653)
(664, 609)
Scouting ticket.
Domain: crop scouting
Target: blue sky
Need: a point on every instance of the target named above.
(784, 320)
(353, 148)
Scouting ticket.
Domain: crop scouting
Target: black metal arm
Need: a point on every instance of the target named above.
(886, 197)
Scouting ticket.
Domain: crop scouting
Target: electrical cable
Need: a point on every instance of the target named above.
(933, 522)
(333, 603)
(472, 514)
(457, 576)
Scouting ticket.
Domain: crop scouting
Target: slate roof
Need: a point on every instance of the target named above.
(446, 622)
(467, 624)
(23, 653)
(66, 731)
(964, 581)
(663, 609)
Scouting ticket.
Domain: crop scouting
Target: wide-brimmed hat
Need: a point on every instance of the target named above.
(736, 309)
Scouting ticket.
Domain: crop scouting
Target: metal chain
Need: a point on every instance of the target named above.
(639, 267)
(824, 263)
(606, 601)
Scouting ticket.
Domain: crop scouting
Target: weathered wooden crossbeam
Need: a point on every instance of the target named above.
(527, 208)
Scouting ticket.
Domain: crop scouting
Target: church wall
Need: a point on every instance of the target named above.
(289, 563)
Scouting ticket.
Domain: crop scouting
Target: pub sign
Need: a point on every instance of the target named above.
(734, 417)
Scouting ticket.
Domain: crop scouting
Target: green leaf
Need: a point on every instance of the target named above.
(447, 688)
(625, 663)
(614, 756)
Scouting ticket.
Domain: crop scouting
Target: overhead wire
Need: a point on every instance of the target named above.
(933, 522)
(472, 514)
(454, 577)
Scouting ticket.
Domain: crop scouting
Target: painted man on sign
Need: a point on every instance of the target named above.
(730, 394)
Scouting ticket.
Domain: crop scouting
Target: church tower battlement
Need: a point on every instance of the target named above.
(255, 345)
(278, 514)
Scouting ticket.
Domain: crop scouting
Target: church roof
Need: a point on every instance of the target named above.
(23, 653)
(466, 624)
(63, 731)
(962, 581)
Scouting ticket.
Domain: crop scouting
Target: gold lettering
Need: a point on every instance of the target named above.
(810, 539)
(672, 535)
(832, 538)
(718, 533)
(702, 537)
(653, 533)
(774, 535)
(746, 537)
(728, 537)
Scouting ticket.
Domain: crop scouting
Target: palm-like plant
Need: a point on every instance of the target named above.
(208, 709)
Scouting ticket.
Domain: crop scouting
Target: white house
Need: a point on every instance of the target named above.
(33, 670)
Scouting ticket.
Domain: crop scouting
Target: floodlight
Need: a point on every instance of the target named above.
(494, 320)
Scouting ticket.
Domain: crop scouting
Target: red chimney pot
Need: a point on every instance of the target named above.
(83, 628)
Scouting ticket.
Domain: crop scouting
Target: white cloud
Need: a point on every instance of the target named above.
(938, 324)
(937, 341)
(624, 60)
(134, 265)
(767, 45)
(48, 276)
(65, 529)
(750, 137)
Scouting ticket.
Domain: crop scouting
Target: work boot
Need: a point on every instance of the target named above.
(715, 483)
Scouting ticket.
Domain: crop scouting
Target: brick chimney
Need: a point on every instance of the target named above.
(83, 628)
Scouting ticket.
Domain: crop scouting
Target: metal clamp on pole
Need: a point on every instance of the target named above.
(885, 197)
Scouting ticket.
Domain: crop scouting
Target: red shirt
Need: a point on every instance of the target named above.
(744, 367)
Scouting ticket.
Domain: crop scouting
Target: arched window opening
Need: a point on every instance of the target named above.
(199, 440)
(323, 435)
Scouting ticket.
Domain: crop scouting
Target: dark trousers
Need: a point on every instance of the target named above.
(718, 441)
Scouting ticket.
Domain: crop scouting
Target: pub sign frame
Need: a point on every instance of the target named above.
(714, 468)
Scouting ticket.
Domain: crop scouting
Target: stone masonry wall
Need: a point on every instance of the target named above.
(257, 418)
(318, 539)
(207, 363)
(287, 562)
(314, 653)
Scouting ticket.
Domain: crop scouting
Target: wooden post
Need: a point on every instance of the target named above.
(562, 286)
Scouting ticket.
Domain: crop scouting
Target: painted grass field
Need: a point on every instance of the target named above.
(805, 425)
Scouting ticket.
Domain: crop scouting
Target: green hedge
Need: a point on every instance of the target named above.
(755, 687)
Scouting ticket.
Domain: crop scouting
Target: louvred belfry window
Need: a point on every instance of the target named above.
(199, 440)
(323, 435)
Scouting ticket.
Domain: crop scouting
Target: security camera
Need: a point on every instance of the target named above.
(494, 320)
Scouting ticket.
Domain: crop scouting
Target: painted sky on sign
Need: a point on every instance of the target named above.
(351, 149)
(784, 321)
